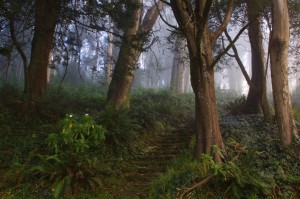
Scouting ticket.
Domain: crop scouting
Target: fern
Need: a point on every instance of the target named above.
(70, 168)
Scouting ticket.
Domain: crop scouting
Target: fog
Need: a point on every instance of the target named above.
(83, 58)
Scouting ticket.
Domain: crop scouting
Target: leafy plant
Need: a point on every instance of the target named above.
(120, 128)
(234, 178)
(72, 165)
(235, 106)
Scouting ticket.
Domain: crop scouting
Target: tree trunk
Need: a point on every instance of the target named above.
(46, 18)
(257, 101)
(187, 80)
(123, 75)
(133, 40)
(279, 72)
(200, 44)
(206, 116)
(109, 64)
(176, 84)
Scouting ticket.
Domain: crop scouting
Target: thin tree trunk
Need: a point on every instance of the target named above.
(180, 73)
(279, 72)
(187, 79)
(174, 72)
(109, 64)
(177, 76)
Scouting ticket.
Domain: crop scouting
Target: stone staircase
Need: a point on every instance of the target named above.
(140, 171)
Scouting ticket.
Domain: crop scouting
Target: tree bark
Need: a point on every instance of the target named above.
(257, 101)
(200, 44)
(109, 64)
(176, 84)
(187, 80)
(208, 131)
(46, 18)
(279, 72)
(133, 40)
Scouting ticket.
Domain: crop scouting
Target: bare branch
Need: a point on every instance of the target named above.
(224, 23)
(165, 21)
(197, 185)
(240, 63)
(165, 2)
(218, 57)
(16, 43)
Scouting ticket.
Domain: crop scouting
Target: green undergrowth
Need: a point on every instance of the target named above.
(254, 166)
(71, 146)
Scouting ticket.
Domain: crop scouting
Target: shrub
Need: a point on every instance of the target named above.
(121, 129)
(72, 164)
(234, 178)
(235, 106)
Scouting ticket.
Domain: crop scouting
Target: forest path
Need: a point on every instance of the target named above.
(141, 170)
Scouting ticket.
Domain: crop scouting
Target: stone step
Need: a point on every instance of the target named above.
(167, 151)
(156, 157)
(149, 169)
(140, 177)
(184, 140)
(168, 145)
(182, 135)
(151, 162)
(139, 171)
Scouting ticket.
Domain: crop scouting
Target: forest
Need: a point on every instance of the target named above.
(158, 99)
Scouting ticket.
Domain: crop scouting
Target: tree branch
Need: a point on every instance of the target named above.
(240, 63)
(218, 57)
(224, 23)
(164, 20)
(197, 185)
(165, 2)
(16, 43)
(151, 17)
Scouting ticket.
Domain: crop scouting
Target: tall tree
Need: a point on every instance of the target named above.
(279, 72)
(134, 37)
(46, 18)
(257, 101)
(193, 17)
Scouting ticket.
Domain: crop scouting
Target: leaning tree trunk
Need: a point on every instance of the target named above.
(133, 40)
(257, 101)
(279, 72)
(46, 18)
(123, 74)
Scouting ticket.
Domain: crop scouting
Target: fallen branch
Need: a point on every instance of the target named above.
(199, 184)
